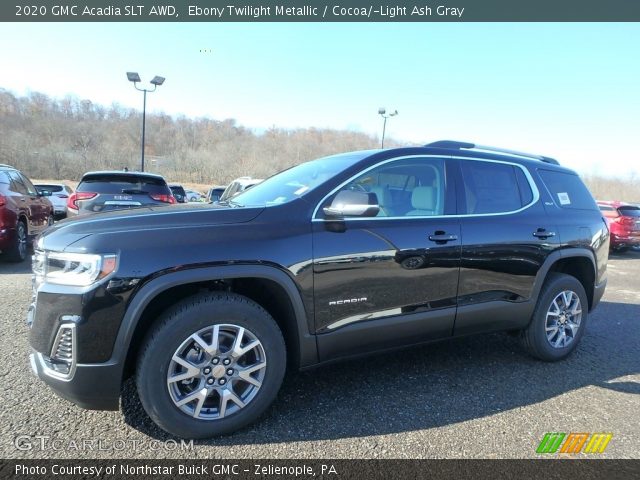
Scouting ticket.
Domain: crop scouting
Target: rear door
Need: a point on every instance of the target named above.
(506, 236)
(392, 279)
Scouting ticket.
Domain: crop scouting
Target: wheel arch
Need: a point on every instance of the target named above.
(268, 286)
(579, 263)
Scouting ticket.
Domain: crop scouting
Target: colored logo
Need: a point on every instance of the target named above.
(574, 442)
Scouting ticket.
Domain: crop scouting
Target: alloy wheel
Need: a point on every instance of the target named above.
(216, 371)
(21, 235)
(564, 316)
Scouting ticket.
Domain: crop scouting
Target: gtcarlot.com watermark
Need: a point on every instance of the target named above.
(48, 443)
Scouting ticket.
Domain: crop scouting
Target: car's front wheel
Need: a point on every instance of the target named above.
(559, 319)
(211, 365)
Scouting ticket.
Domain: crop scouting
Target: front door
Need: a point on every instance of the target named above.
(391, 279)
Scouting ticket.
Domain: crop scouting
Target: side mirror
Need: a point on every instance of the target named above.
(348, 203)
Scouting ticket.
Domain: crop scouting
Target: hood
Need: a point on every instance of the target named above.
(181, 216)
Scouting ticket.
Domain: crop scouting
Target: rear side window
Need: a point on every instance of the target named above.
(568, 191)
(110, 183)
(494, 187)
(629, 211)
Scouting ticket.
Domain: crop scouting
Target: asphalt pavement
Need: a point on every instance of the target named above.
(475, 397)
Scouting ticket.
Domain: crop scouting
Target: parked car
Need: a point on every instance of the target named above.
(238, 185)
(117, 190)
(178, 192)
(350, 254)
(624, 223)
(24, 213)
(193, 196)
(59, 195)
(214, 194)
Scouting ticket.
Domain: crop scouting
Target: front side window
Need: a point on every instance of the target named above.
(491, 187)
(410, 187)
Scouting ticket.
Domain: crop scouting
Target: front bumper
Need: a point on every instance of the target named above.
(7, 238)
(598, 292)
(92, 386)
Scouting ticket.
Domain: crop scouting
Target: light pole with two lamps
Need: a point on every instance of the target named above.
(156, 82)
(383, 113)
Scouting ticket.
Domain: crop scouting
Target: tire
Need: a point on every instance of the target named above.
(539, 338)
(18, 251)
(173, 336)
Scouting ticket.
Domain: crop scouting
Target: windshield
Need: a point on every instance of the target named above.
(296, 181)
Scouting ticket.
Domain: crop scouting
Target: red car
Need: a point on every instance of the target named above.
(24, 213)
(624, 223)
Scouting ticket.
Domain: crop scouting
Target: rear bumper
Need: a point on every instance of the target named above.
(92, 386)
(625, 239)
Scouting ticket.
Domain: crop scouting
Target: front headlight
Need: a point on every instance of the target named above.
(75, 269)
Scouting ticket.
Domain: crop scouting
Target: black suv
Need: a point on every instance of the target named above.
(345, 255)
(117, 190)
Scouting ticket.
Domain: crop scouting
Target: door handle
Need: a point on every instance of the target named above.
(442, 237)
(542, 233)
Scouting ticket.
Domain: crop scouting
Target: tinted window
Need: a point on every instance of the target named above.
(405, 188)
(49, 188)
(32, 190)
(606, 208)
(494, 187)
(567, 190)
(118, 183)
(17, 184)
(629, 211)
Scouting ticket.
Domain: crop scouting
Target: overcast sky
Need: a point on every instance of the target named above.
(569, 91)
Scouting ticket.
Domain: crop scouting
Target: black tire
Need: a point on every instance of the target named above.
(168, 334)
(534, 337)
(18, 251)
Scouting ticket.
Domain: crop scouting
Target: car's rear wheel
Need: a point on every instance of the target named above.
(211, 365)
(559, 319)
(18, 251)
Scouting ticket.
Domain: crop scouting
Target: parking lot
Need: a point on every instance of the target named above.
(478, 397)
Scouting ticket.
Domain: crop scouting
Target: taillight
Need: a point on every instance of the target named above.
(3, 201)
(72, 201)
(163, 198)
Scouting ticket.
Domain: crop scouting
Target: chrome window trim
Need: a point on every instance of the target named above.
(527, 174)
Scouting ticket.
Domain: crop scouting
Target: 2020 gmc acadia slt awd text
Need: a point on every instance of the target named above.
(341, 256)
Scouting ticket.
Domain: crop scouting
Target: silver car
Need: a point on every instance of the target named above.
(59, 195)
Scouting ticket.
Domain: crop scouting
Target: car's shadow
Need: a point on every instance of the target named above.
(432, 386)
(15, 268)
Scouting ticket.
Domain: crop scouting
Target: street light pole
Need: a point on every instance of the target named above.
(144, 122)
(156, 81)
(383, 113)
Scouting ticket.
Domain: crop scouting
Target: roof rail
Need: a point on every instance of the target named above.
(452, 144)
